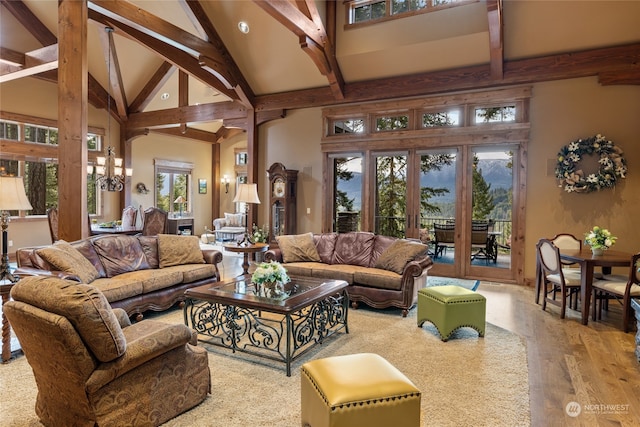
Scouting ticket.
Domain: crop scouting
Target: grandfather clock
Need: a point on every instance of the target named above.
(283, 185)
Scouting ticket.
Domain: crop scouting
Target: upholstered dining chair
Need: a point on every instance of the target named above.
(622, 288)
(52, 218)
(93, 367)
(563, 241)
(155, 222)
(554, 279)
(129, 216)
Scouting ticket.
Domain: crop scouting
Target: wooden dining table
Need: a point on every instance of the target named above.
(588, 262)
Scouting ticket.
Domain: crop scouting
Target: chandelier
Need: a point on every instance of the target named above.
(109, 171)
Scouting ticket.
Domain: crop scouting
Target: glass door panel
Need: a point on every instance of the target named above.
(490, 225)
(347, 172)
(437, 178)
(390, 202)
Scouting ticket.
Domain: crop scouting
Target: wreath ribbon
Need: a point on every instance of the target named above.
(611, 160)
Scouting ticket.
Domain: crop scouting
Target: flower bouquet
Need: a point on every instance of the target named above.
(260, 234)
(269, 279)
(600, 239)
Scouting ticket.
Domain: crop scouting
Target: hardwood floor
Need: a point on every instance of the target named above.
(593, 365)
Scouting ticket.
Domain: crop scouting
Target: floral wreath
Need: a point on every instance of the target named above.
(612, 165)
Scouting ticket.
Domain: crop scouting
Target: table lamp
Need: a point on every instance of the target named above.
(12, 197)
(180, 200)
(247, 193)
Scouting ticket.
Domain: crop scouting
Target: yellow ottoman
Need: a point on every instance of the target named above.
(451, 307)
(357, 390)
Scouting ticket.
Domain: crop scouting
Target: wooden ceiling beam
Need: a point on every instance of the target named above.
(10, 56)
(30, 22)
(187, 114)
(153, 86)
(171, 35)
(496, 39)
(105, 34)
(177, 57)
(312, 35)
(585, 63)
(35, 62)
(623, 77)
(200, 19)
(189, 133)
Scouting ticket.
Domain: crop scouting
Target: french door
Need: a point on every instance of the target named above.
(410, 193)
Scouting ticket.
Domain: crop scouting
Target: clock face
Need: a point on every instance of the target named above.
(278, 188)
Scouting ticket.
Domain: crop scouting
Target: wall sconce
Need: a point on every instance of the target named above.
(225, 181)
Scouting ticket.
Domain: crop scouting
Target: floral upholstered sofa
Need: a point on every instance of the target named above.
(381, 271)
(135, 273)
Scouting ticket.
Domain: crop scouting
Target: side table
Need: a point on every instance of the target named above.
(5, 289)
(246, 250)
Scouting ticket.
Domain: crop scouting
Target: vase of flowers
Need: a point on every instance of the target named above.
(599, 239)
(260, 235)
(269, 279)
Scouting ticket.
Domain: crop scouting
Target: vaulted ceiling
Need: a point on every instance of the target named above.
(299, 54)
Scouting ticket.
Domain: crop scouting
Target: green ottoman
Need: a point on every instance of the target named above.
(451, 307)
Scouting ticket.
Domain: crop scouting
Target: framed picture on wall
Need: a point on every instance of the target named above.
(202, 186)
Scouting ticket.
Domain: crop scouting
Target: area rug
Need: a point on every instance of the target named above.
(465, 381)
(441, 281)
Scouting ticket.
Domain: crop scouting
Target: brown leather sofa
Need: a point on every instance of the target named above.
(381, 271)
(135, 273)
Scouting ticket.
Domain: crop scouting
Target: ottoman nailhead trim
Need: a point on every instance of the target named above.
(360, 403)
(462, 301)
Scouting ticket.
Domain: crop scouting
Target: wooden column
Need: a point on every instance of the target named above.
(72, 119)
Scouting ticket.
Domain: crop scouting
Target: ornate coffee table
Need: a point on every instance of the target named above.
(229, 314)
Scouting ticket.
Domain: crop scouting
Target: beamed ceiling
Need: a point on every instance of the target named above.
(298, 54)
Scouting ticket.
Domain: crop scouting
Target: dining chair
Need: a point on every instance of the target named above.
(52, 218)
(553, 278)
(444, 236)
(563, 241)
(155, 222)
(622, 288)
(129, 216)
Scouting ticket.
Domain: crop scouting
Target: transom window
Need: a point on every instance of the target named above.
(366, 11)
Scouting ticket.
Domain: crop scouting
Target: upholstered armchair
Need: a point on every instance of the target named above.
(93, 367)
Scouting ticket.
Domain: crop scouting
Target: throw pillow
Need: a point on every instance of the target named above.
(64, 257)
(178, 250)
(234, 220)
(298, 248)
(399, 254)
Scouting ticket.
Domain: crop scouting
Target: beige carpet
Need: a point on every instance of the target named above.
(465, 381)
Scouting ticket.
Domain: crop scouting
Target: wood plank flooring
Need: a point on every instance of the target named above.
(593, 365)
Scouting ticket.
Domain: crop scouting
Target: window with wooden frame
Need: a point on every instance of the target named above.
(41, 173)
(373, 11)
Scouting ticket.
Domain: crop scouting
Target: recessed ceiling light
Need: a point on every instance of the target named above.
(243, 27)
(164, 96)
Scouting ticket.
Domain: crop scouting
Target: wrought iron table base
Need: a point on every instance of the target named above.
(279, 337)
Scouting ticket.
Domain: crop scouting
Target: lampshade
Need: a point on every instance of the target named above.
(12, 194)
(247, 193)
(179, 199)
